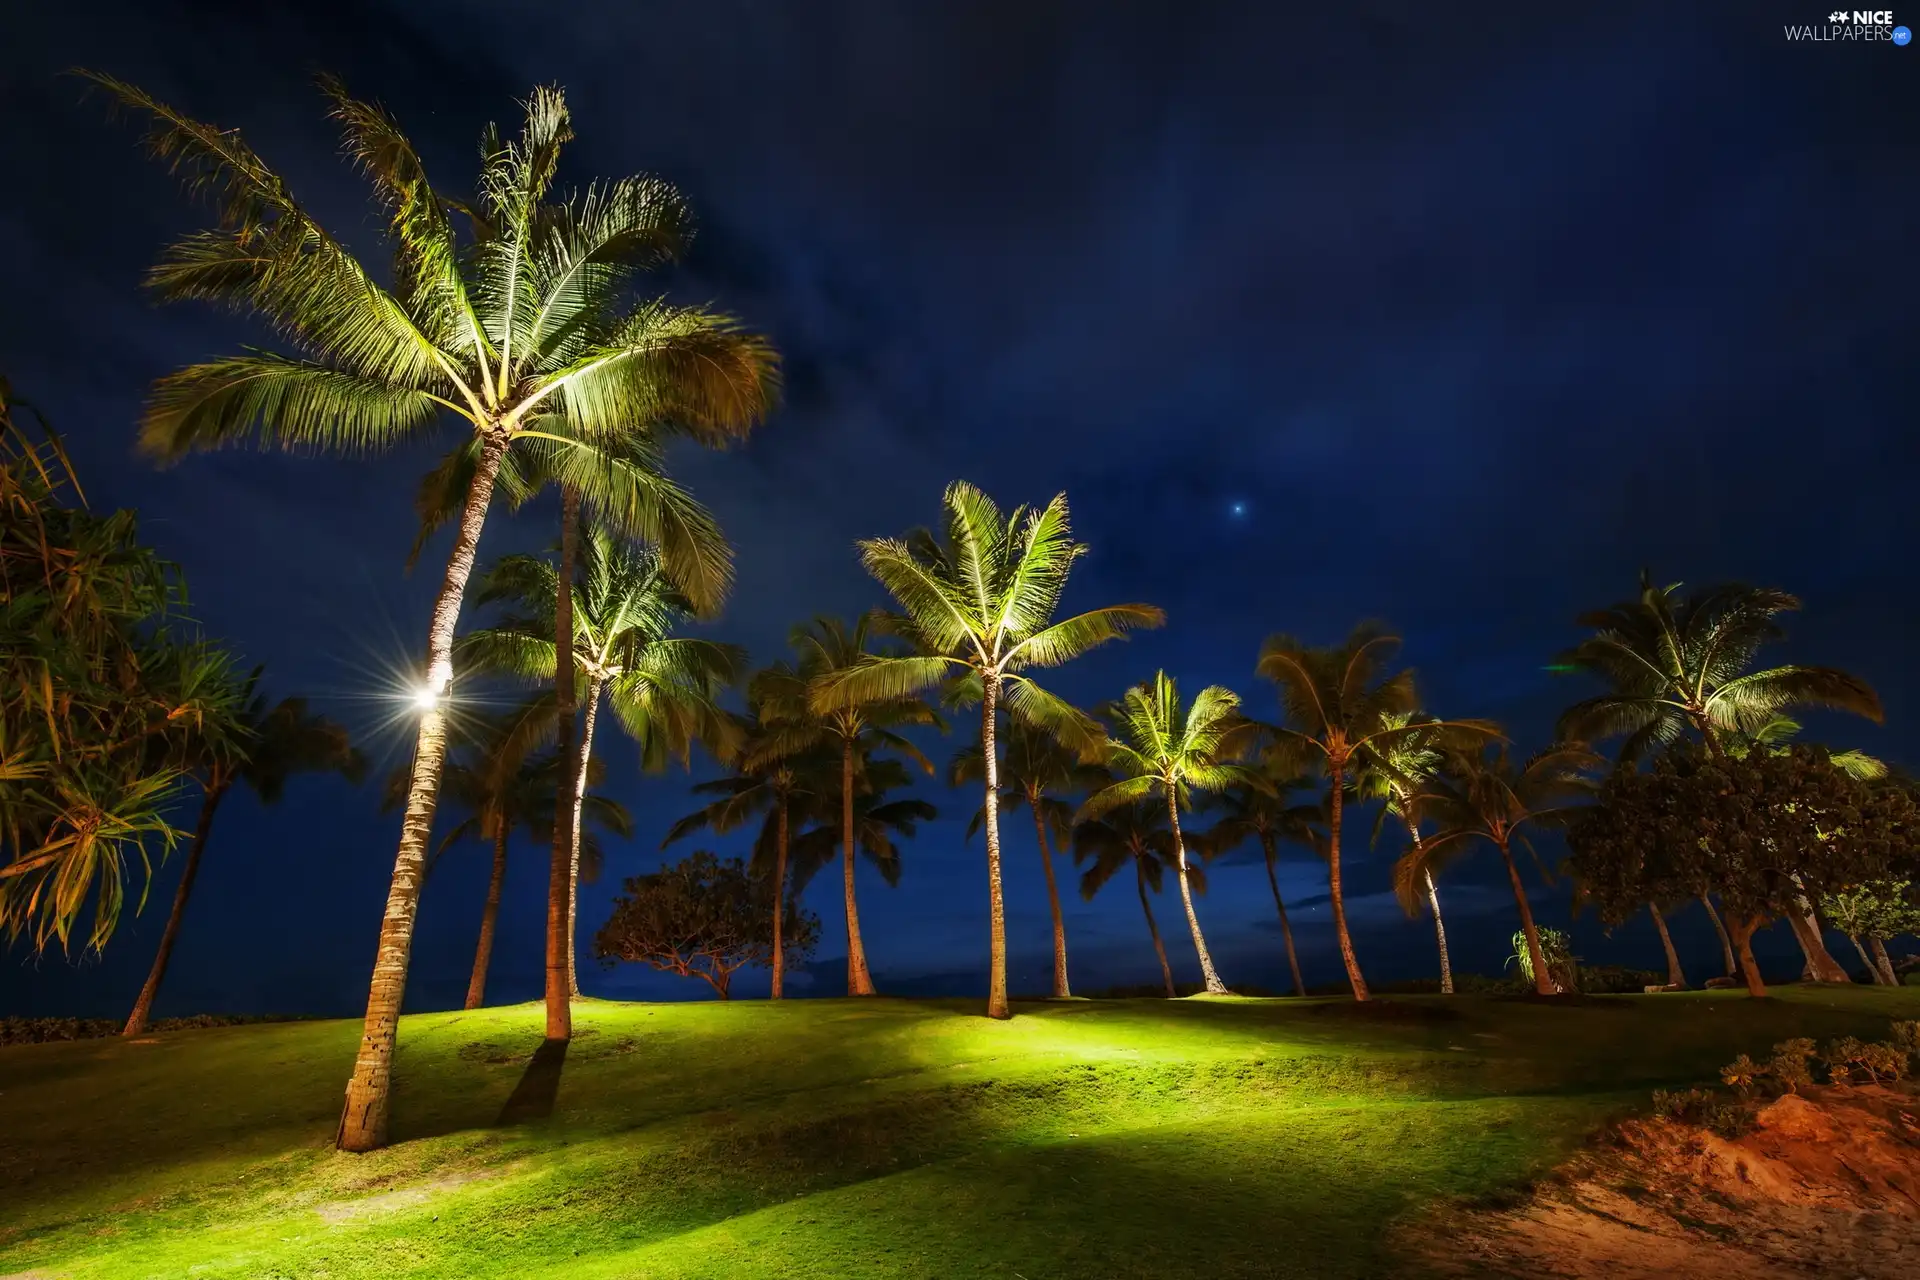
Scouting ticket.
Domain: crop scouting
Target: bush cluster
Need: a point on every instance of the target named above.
(1847, 1060)
(49, 1030)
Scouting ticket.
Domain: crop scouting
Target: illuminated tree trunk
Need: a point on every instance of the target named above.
(363, 1119)
(1355, 978)
(489, 918)
(1675, 978)
(560, 869)
(1214, 986)
(1060, 988)
(1743, 928)
(1159, 947)
(1543, 982)
(217, 784)
(997, 1006)
(780, 900)
(1726, 942)
(859, 980)
(1439, 934)
(1806, 931)
(1885, 968)
(1873, 970)
(594, 685)
(1286, 930)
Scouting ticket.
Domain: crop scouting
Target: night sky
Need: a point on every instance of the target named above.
(1315, 315)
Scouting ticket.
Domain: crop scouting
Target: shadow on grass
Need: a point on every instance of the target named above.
(533, 1097)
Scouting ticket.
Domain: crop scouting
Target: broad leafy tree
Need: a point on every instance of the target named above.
(1874, 911)
(704, 918)
(508, 312)
(1171, 750)
(1134, 837)
(979, 600)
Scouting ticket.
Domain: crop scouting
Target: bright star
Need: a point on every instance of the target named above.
(1237, 510)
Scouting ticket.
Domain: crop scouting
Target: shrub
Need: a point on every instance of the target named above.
(1788, 1068)
(1906, 1035)
(1556, 948)
(1705, 1108)
(1849, 1058)
(1742, 1075)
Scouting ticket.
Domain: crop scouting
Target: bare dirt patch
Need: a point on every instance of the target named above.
(1827, 1184)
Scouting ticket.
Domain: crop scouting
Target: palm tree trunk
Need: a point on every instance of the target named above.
(1286, 930)
(1159, 947)
(1214, 986)
(1873, 970)
(1355, 978)
(1439, 934)
(573, 872)
(1885, 967)
(1675, 978)
(489, 918)
(1060, 988)
(1743, 928)
(217, 784)
(997, 1006)
(1726, 943)
(859, 980)
(363, 1119)
(780, 901)
(1543, 982)
(1806, 931)
(560, 871)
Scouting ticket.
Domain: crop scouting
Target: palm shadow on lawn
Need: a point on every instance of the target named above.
(533, 1098)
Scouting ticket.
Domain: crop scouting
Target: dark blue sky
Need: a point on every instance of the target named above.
(1473, 317)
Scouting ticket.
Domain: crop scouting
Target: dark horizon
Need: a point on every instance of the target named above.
(1314, 318)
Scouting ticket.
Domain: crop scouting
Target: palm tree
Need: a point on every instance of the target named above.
(1682, 663)
(521, 330)
(796, 724)
(1263, 813)
(1339, 702)
(1036, 767)
(979, 605)
(263, 747)
(1393, 770)
(1481, 796)
(663, 688)
(1133, 834)
(876, 822)
(1175, 749)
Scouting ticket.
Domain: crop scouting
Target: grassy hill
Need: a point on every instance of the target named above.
(838, 1138)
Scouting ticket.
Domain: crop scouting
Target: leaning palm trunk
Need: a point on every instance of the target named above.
(1286, 930)
(560, 873)
(1060, 988)
(859, 978)
(1440, 935)
(1334, 891)
(1543, 981)
(1675, 978)
(996, 905)
(1726, 942)
(1885, 968)
(217, 785)
(363, 1120)
(780, 904)
(1214, 986)
(489, 917)
(1159, 947)
(573, 872)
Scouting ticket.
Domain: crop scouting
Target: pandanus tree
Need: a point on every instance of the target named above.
(1483, 797)
(1036, 770)
(262, 746)
(521, 329)
(1265, 813)
(1339, 703)
(1677, 664)
(1134, 836)
(978, 601)
(794, 723)
(1171, 750)
(663, 688)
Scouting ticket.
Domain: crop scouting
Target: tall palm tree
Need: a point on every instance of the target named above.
(663, 688)
(1677, 663)
(858, 729)
(523, 330)
(1339, 701)
(1482, 796)
(781, 789)
(1263, 813)
(1036, 769)
(1134, 834)
(979, 603)
(876, 822)
(262, 747)
(1175, 749)
(1393, 770)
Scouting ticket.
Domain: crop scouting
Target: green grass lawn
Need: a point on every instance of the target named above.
(873, 1138)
